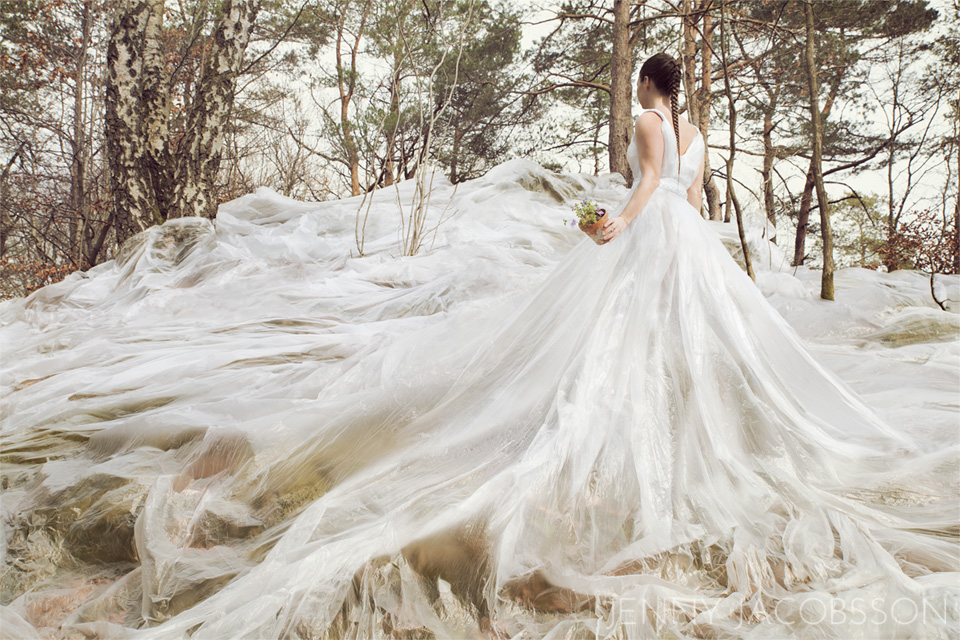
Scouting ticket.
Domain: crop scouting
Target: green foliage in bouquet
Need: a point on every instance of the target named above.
(588, 212)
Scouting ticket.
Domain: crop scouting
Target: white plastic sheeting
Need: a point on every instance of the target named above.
(244, 429)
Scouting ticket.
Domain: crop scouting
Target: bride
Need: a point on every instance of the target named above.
(657, 91)
(640, 448)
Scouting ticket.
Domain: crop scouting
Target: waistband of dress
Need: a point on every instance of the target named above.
(672, 186)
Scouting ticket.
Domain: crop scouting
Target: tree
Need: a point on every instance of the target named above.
(731, 193)
(133, 37)
(905, 104)
(348, 22)
(941, 77)
(700, 40)
(48, 113)
(851, 36)
(592, 49)
(150, 182)
(844, 26)
(924, 242)
(766, 46)
(403, 34)
(621, 94)
(424, 45)
(858, 225)
(486, 102)
(816, 164)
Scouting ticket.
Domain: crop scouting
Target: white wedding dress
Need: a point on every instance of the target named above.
(641, 447)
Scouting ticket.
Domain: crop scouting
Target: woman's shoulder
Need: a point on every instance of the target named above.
(651, 114)
(649, 119)
(648, 122)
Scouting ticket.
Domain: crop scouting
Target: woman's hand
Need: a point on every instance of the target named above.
(612, 228)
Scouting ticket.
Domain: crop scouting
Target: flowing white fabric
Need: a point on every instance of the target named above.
(642, 444)
(639, 447)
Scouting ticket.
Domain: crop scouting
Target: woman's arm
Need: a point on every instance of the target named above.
(695, 192)
(648, 137)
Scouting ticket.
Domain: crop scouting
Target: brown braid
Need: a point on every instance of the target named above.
(675, 112)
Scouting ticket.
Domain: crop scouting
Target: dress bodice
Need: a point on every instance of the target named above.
(673, 177)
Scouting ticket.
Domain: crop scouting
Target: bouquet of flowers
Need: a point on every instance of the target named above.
(590, 218)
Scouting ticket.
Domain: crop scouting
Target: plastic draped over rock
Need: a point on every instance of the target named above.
(244, 429)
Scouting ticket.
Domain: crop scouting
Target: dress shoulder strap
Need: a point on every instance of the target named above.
(656, 111)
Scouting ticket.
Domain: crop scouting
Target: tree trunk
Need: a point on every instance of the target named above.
(455, 156)
(826, 280)
(6, 224)
(202, 148)
(596, 146)
(95, 231)
(122, 119)
(893, 123)
(621, 124)
(803, 219)
(353, 157)
(731, 195)
(806, 198)
(769, 109)
(346, 86)
(689, 63)
(703, 105)
(388, 169)
(766, 172)
(78, 216)
(155, 165)
(891, 218)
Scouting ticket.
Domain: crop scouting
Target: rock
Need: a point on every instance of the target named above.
(166, 245)
(46, 609)
(125, 437)
(222, 450)
(175, 575)
(460, 557)
(223, 521)
(913, 325)
(118, 604)
(15, 627)
(538, 592)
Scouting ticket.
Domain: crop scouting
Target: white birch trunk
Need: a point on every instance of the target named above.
(199, 160)
(131, 208)
(154, 161)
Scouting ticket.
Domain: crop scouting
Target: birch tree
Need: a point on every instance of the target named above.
(149, 182)
(133, 210)
(202, 150)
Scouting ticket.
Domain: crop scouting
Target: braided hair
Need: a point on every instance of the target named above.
(665, 74)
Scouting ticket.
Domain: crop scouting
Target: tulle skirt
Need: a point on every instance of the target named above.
(640, 447)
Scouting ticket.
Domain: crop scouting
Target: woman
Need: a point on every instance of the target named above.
(641, 447)
(657, 89)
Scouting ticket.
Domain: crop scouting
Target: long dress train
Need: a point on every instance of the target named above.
(642, 447)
